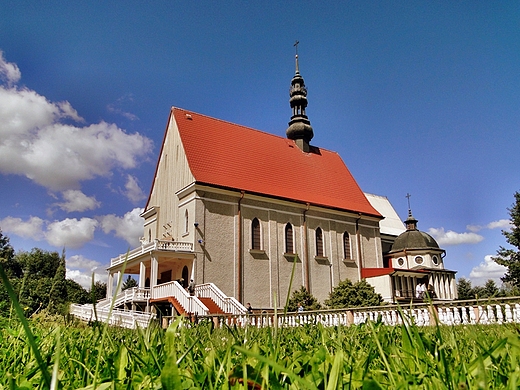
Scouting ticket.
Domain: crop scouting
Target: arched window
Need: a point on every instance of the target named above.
(289, 245)
(319, 242)
(255, 234)
(346, 246)
(186, 219)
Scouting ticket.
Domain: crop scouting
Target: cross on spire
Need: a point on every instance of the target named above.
(296, 48)
(411, 222)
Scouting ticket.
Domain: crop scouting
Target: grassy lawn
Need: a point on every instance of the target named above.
(370, 356)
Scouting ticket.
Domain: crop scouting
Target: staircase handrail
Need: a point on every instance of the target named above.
(173, 289)
(229, 305)
(131, 295)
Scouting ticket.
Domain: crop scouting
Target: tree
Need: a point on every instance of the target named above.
(76, 293)
(39, 275)
(348, 294)
(129, 283)
(7, 259)
(489, 290)
(39, 280)
(308, 301)
(510, 258)
(98, 291)
(464, 289)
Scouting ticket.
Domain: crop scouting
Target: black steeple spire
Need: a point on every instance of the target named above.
(300, 129)
(411, 222)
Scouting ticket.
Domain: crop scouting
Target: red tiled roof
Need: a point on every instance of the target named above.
(229, 155)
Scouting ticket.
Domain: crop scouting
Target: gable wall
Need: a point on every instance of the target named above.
(173, 174)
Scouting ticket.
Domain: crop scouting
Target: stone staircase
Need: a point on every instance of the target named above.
(212, 306)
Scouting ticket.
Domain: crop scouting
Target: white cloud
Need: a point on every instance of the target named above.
(80, 269)
(133, 192)
(500, 224)
(76, 200)
(84, 278)
(117, 107)
(9, 71)
(35, 141)
(74, 233)
(129, 227)
(486, 270)
(71, 233)
(82, 263)
(453, 238)
(32, 229)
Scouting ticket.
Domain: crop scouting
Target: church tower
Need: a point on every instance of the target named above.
(300, 129)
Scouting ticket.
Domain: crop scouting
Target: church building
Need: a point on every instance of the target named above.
(246, 214)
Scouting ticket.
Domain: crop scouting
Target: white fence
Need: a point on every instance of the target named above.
(125, 319)
(498, 311)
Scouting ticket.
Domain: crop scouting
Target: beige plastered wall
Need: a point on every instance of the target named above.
(267, 273)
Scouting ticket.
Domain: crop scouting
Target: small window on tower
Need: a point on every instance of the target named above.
(319, 243)
(289, 243)
(255, 234)
(346, 246)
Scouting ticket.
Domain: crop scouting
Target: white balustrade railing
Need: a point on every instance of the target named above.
(173, 289)
(496, 311)
(134, 294)
(125, 319)
(500, 311)
(229, 305)
(174, 246)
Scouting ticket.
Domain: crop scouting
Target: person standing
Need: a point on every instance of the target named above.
(191, 287)
(420, 289)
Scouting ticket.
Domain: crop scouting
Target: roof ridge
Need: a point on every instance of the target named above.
(250, 128)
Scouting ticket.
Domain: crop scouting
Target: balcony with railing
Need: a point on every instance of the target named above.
(156, 245)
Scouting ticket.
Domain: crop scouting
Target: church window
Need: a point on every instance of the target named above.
(186, 219)
(418, 260)
(435, 260)
(255, 234)
(400, 261)
(346, 246)
(319, 243)
(289, 241)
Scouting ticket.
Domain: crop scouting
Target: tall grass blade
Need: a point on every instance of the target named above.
(105, 327)
(32, 342)
(56, 367)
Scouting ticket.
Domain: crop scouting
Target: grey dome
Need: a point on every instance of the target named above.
(414, 239)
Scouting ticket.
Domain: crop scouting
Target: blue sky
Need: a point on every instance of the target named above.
(417, 97)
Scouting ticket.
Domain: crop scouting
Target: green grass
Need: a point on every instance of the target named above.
(50, 353)
(370, 356)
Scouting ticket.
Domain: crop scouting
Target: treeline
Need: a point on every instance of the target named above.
(490, 290)
(38, 278)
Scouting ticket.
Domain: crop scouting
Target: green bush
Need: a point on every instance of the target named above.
(347, 294)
